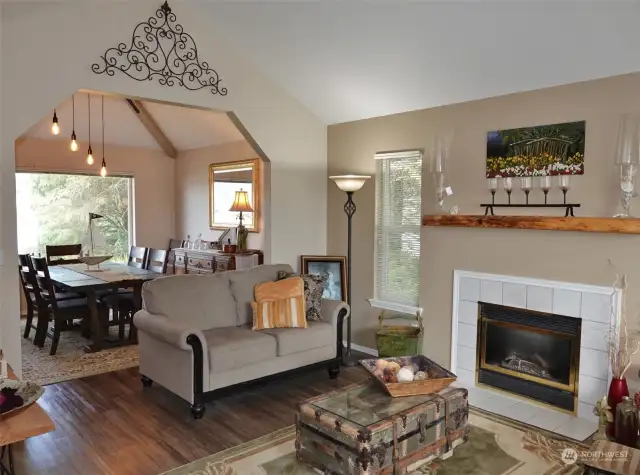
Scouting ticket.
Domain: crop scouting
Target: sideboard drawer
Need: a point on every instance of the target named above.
(192, 261)
(205, 264)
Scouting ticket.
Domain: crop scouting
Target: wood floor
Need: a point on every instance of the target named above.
(107, 424)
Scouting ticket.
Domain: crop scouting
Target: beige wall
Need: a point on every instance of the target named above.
(192, 189)
(565, 256)
(153, 173)
(290, 135)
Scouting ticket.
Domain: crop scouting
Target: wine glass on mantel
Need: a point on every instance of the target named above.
(493, 187)
(545, 186)
(564, 181)
(507, 184)
(526, 185)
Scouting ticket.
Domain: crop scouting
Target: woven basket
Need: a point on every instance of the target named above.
(440, 377)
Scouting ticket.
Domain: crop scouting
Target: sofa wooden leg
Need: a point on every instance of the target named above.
(334, 370)
(146, 382)
(197, 410)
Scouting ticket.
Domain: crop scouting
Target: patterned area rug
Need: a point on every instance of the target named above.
(496, 446)
(70, 361)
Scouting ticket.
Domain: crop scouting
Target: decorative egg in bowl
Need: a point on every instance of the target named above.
(409, 375)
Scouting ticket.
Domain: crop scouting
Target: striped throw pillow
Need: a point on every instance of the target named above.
(279, 305)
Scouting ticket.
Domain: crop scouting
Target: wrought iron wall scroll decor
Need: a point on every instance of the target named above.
(160, 49)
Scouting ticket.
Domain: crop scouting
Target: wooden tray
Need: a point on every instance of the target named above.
(439, 379)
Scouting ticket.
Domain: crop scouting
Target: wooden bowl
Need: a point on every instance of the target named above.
(30, 393)
(439, 378)
(94, 260)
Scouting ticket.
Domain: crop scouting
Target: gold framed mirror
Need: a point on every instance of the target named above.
(227, 178)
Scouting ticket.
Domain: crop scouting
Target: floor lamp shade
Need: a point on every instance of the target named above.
(349, 183)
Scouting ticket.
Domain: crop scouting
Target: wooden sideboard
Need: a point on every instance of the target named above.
(195, 261)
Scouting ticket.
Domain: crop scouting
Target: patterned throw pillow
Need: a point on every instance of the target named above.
(313, 290)
(279, 305)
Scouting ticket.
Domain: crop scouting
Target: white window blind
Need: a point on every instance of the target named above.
(398, 213)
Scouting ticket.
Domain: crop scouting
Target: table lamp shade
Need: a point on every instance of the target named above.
(350, 183)
(241, 202)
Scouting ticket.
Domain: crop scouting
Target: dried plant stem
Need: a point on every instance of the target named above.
(622, 344)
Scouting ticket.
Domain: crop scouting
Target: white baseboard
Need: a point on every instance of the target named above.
(362, 349)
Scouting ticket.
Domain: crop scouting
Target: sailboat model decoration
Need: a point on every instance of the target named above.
(92, 238)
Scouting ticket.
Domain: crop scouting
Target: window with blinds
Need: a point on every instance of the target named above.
(398, 211)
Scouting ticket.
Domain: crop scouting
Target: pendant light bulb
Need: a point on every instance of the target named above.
(103, 169)
(90, 156)
(74, 143)
(55, 128)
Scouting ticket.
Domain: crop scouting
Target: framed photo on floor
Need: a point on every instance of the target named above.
(334, 267)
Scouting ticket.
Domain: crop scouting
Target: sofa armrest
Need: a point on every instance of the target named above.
(168, 331)
(331, 310)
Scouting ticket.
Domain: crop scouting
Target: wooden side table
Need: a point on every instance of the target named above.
(31, 422)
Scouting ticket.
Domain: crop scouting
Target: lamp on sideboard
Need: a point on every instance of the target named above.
(349, 184)
(241, 205)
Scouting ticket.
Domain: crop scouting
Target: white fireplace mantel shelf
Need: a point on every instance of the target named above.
(548, 223)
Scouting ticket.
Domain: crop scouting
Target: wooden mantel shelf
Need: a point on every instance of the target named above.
(549, 223)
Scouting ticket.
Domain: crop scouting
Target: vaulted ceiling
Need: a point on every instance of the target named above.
(353, 59)
(185, 128)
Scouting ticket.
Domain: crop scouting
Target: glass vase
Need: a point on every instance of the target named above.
(628, 174)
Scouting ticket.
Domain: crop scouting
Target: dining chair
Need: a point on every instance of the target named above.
(137, 257)
(157, 260)
(29, 286)
(63, 254)
(61, 312)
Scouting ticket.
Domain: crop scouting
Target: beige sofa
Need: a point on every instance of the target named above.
(195, 335)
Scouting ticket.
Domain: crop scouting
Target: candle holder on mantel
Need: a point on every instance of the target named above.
(526, 184)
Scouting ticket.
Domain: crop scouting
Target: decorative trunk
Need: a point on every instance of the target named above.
(428, 429)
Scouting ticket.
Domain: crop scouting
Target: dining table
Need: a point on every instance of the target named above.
(94, 281)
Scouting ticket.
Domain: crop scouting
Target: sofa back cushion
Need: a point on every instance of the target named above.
(201, 301)
(242, 284)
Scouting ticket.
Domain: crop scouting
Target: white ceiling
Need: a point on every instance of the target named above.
(186, 128)
(352, 59)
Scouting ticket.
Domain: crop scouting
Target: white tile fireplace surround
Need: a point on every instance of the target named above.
(598, 307)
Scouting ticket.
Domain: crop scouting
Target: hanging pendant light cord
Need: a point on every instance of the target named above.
(89, 104)
(73, 107)
(103, 129)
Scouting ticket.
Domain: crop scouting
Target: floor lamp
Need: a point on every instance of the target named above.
(349, 184)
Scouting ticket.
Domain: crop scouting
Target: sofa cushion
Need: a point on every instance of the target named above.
(202, 301)
(296, 340)
(235, 347)
(279, 305)
(313, 290)
(242, 283)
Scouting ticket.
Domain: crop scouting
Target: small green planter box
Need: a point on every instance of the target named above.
(399, 340)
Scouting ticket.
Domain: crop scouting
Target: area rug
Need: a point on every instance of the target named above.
(70, 360)
(496, 446)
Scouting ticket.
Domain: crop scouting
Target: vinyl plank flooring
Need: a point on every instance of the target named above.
(109, 425)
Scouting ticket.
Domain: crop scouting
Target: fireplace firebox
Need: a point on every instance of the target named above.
(530, 354)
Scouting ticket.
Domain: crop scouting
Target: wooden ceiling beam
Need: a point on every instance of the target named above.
(152, 126)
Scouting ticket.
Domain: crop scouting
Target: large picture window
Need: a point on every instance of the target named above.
(398, 212)
(53, 208)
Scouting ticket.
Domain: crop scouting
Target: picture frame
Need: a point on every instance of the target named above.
(336, 269)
